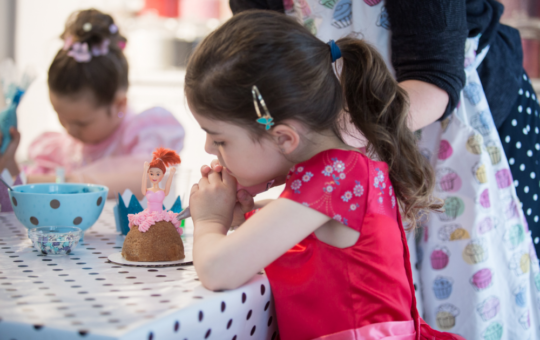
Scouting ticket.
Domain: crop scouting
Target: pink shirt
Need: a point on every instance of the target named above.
(125, 150)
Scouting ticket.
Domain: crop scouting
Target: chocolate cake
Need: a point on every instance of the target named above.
(159, 243)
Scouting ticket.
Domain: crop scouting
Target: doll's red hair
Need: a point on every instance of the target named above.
(164, 158)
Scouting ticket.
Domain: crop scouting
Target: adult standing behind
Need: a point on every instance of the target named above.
(479, 266)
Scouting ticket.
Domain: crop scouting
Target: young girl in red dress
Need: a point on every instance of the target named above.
(333, 245)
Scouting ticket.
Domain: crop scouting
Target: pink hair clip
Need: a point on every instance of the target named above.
(67, 43)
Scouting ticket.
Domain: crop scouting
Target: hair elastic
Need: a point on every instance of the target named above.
(82, 53)
(334, 50)
(266, 120)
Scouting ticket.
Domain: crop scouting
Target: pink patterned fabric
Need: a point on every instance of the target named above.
(125, 150)
(154, 213)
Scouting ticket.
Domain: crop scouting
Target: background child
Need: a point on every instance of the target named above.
(333, 244)
(105, 141)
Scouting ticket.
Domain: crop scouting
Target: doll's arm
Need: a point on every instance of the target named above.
(227, 261)
(144, 178)
(169, 181)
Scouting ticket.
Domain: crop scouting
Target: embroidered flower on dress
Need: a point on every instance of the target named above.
(337, 217)
(328, 189)
(393, 201)
(342, 175)
(300, 169)
(295, 185)
(378, 181)
(305, 204)
(339, 166)
(380, 199)
(327, 170)
(347, 196)
(390, 190)
(307, 176)
(380, 175)
(358, 189)
(353, 207)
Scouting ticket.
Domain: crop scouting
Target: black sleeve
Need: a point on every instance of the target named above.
(238, 6)
(428, 43)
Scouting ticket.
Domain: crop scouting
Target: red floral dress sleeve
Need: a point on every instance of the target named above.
(333, 182)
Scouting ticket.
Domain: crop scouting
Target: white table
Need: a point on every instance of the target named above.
(85, 296)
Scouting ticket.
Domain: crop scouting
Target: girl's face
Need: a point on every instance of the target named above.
(85, 121)
(250, 162)
(155, 175)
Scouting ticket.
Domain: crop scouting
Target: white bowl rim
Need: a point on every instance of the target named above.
(15, 191)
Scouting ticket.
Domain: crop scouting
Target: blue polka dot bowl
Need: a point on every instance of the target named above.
(55, 240)
(58, 205)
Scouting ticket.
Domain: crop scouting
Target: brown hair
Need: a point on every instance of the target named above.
(164, 158)
(103, 75)
(293, 71)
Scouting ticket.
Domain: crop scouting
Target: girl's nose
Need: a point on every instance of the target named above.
(210, 147)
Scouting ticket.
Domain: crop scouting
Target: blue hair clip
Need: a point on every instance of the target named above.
(334, 50)
(266, 120)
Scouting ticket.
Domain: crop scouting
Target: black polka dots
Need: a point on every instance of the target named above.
(55, 204)
(99, 201)
(520, 134)
(34, 220)
(73, 288)
(14, 200)
(77, 220)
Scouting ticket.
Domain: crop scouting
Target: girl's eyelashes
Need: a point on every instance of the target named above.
(219, 143)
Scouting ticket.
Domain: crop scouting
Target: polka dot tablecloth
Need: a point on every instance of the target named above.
(85, 296)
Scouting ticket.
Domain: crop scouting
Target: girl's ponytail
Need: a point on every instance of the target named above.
(378, 107)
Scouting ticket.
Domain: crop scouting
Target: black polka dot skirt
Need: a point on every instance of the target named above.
(520, 136)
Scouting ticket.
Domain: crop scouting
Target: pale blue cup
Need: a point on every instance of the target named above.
(58, 205)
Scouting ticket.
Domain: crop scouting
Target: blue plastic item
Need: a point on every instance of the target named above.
(8, 116)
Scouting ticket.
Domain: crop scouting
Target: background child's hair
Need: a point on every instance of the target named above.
(164, 158)
(293, 71)
(103, 75)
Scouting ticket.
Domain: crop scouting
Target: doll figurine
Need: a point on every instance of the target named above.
(155, 170)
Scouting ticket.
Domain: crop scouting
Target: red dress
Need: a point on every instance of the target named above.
(361, 292)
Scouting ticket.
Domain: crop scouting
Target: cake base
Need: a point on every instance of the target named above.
(159, 243)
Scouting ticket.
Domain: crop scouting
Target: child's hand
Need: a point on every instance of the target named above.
(7, 160)
(173, 170)
(214, 165)
(244, 200)
(213, 199)
(146, 166)
(244, 204)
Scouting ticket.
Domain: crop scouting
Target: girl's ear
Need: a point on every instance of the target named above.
(285, 137)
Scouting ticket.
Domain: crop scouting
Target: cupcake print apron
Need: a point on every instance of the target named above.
(476, 268)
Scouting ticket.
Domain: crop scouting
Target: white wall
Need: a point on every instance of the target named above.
(7, 27)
